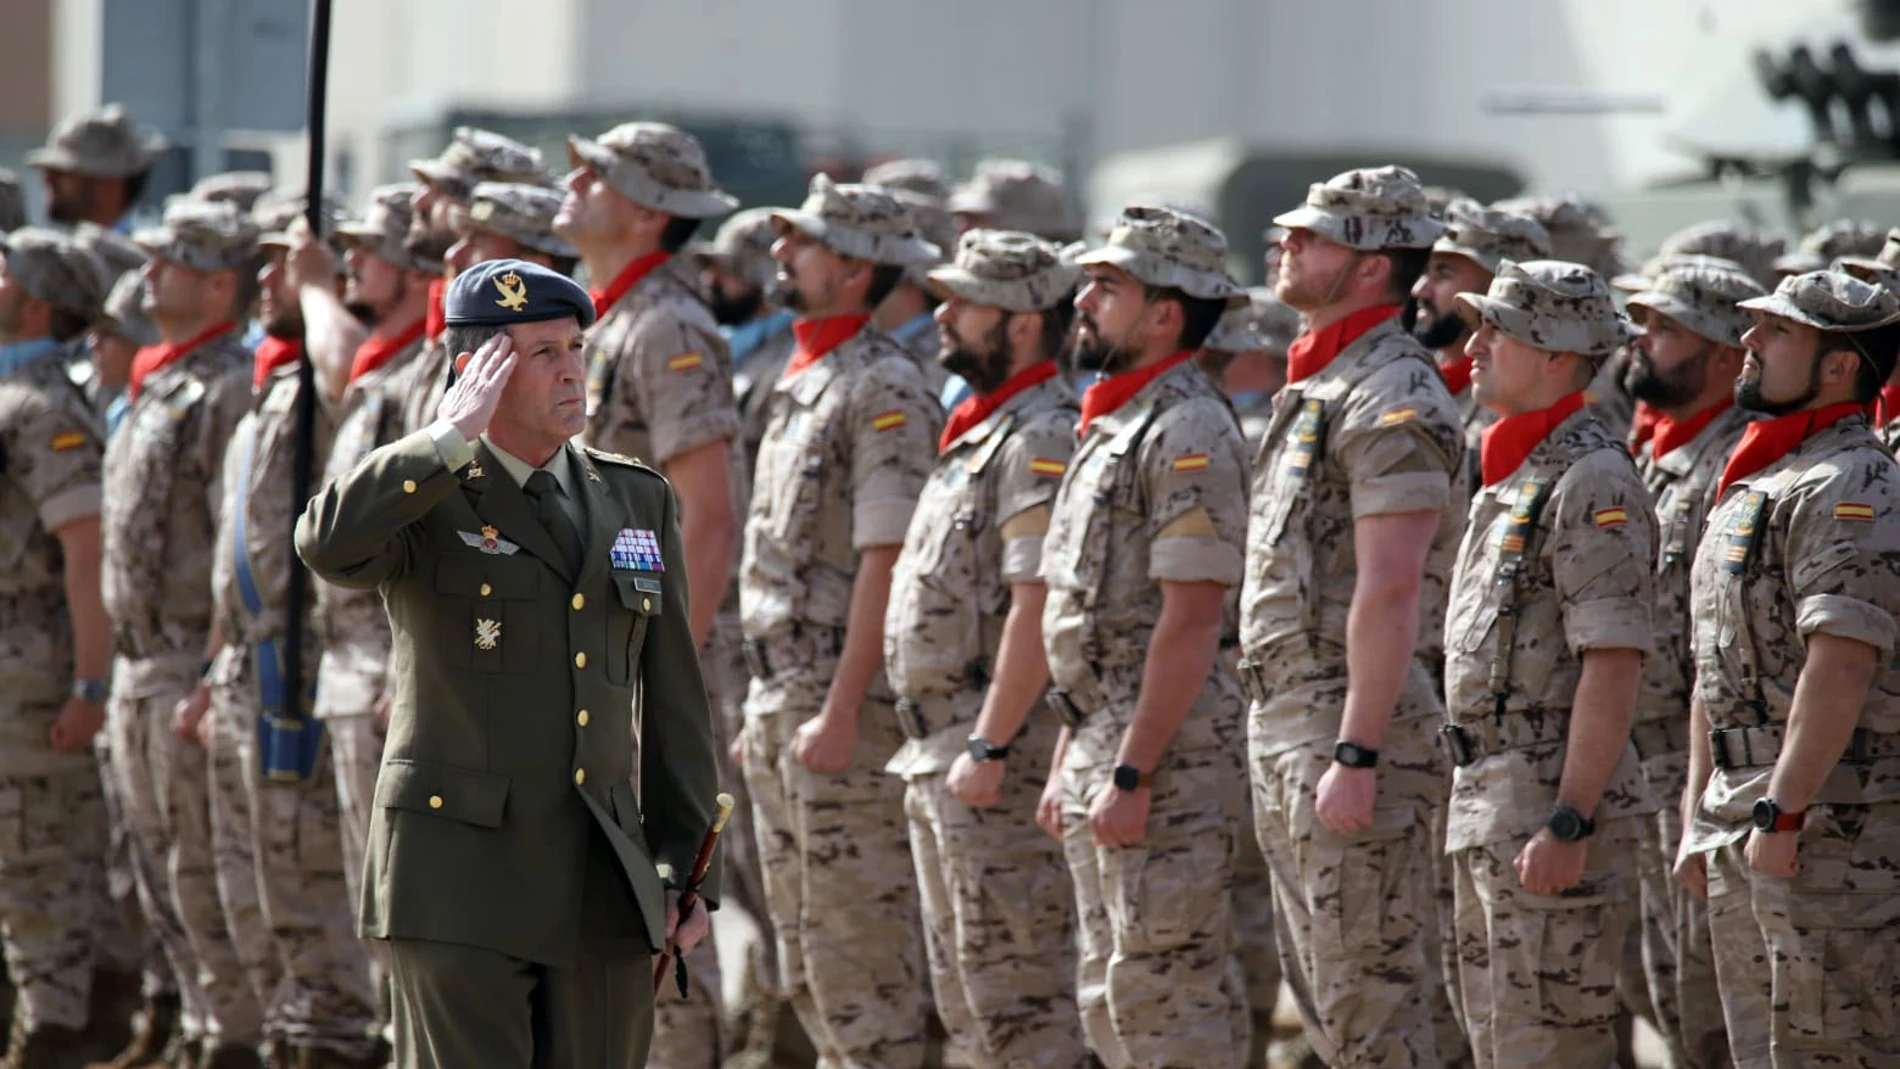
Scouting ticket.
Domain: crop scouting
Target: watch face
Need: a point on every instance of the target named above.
(1566, 825)
(1127, 777)
(1764, 814)
(979, 750)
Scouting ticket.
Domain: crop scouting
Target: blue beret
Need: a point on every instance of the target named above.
(501, 292)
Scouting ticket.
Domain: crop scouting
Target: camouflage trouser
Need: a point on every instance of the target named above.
(838, 879)
(162, 785)
(1539, 971)
(356, 749)
(1357, 917)
(998, 917)
(744, 887)
(1825, 945)
(1441, 945)
(1253, 927)
(283, 839)
(1159, 982)
(1678, 964)
(52, 883)
(124, 942)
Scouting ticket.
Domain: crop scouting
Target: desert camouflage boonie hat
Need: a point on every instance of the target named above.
(935, 225)
(522, 213)
(743, 246)
(1010, 269)
(201, 235)
(1018, 195)
(1554, 305)
(652, 163)
(474, 156)
(50, 266)
(384, 227)
(1264, 323)
(1164, 247)
(114, 251)
(860, 221)
(105, 143)
(920, 177)
(277, 210)
(1369, 208)
(124, 313)
(1488, 236)
(1640, 279)
(1706, 300)
(1753, 250)
(1830, 242)
(1830, 300)
(1580, 232)
(12, 202)
(242, 188)
(1882, 268)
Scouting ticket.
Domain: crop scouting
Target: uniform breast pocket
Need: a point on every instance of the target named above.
(638, 597)
(485, 608)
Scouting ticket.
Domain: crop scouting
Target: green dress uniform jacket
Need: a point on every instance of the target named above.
(511, 730)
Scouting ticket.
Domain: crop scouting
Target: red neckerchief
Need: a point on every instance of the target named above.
(816, 337)
(1672, 435)
(1312, 351)
(151, 358)
(272, 353)
(1457, 375)
(436, 319)
(978, 407)
(1643, 423)
(1504, 445)
(1768, 440)
(1886, 407)
(1115, 391)
(375, 352)
(628, 277)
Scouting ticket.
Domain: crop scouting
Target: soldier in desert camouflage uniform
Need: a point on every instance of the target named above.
(95, 165)
(1548, 626)
(1683, 379)
(1882, 269)
(1007, 194)
(906, 314)
(847, 449)
(54, 650)
(1355, 516)
(242, 189)
(963, 649)
(1246, 356)
(738, 275)
(1751, 251)
(164, 471)
(1792, 811)
(12, 201)
(1142, 563)
(1831, 241)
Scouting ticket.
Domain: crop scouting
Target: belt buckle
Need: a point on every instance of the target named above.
(1067, 711)
(1718, 748)
(1457, 744)
(910, 717)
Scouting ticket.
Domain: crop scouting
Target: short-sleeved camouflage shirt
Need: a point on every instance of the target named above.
(1374, 432)
(1809, 544)
(1583, 580)
(424, 381)
(978, 528)
(164, 489)
(1157, 492)
(848, 445)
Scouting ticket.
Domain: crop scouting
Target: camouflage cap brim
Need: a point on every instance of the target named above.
(58, 158)
(1799, 263)
(1152, 270)
(1490, 261)
(1777, 304)
(1863, 267)
(634, 184)
(162, 243)
(859, 244)
(1244, 338)
(1697, 320)
(971, 199)
(385, 246)
(449, 180)
(1350, 230)
(1521, 324)
(1036, 293)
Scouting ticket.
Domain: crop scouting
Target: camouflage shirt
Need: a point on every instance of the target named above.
(419, 390)
(1583, 581)
(847, 448)
(164, 472)
(978, 529)
(1810, 543)
(1374, 432)
(752, 381)
(352, 624)
(1157, 492)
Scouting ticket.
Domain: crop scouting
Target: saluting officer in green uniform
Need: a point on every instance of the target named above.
(533, 587)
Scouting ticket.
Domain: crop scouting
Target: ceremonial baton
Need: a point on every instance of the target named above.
(690, 896)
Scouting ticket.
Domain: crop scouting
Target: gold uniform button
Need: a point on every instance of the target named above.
(580, 660)
(408, 486)
(578, 602)
(580, 776)
(487, 590)
(581, 718)
(435, 801)
(646, 604)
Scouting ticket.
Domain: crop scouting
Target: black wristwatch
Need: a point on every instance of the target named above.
(981, 750)
(1769, 817)
(1568, 825)
(1130, 778)
(94, 691)
(1353, 755)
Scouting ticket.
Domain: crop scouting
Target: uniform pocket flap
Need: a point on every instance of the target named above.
(639, 591)
(483, 576)
(463, 794)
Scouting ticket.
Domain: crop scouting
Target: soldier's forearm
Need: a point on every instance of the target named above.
(1021, 670)
(1701, 763)
(863, 655)
(710, 532)
(1180, 658)
(331, 336)
(1600, 717)
(92, 628)
(1381, 633)
(1828, 698)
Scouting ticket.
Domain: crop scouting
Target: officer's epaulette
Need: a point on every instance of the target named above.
(618, 458)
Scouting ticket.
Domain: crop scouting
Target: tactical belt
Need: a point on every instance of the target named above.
(1075, 704)
(1654, 738)
(1757, 747)
(287, 739)
(767, 657)
(1470, 742)
(1066, 709)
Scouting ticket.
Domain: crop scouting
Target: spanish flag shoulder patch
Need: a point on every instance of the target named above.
(1396, 416)
(1191, 462)
(1854, 510)
(685, 362)
(1612, 517)
(65, 440)
(888, 421)
(1049, 466)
